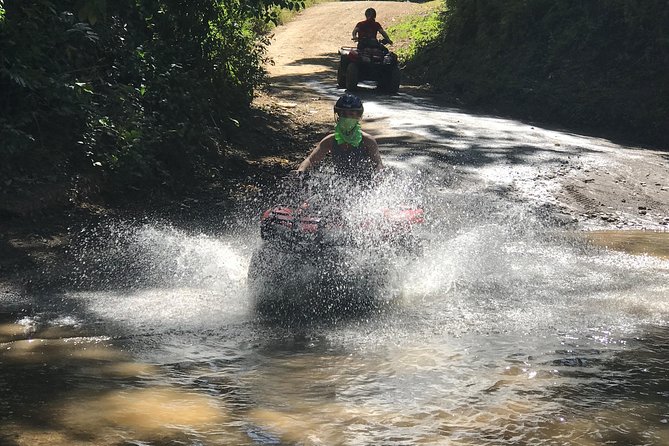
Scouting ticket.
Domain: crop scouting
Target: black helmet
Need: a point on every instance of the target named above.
(370, 13)
(348, 102)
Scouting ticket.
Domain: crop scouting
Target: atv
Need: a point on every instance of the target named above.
(325, 252)
(373, 62)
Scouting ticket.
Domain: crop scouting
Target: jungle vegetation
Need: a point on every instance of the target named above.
(138, 93)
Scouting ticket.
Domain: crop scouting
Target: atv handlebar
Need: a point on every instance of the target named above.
(382, 42)
(299, 174)
(299, 179)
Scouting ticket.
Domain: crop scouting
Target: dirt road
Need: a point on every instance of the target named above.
(307, 46)
(595, 182)
(304, 54)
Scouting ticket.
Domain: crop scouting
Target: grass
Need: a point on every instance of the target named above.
(416, 31)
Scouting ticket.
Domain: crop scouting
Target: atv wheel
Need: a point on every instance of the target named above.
(393, 85)
(258, 274)
(341, 75)
(352, 73)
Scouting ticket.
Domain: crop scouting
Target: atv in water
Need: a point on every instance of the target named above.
(373, 62)
(331, 249)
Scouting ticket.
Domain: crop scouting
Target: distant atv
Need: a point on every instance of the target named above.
(372, 63)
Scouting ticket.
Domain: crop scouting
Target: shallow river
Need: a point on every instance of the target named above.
(507, 331)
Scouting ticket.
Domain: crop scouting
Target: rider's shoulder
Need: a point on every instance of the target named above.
(328, 139)
(367, 137)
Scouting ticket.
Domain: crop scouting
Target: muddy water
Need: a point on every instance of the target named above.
(507, 331)
(651, 243)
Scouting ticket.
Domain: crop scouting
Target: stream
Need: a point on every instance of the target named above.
(512, 328)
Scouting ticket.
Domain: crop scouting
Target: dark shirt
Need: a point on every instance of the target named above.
(352, 161)
(367, 29)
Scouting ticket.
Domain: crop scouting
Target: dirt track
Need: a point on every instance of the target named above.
(304, 52)
(597, 182)
(308, 45)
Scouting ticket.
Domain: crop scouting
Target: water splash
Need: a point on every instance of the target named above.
(123, 255)
(488, 264)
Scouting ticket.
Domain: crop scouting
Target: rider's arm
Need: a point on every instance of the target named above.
(385, 35)
(354, 34)
(317, 155)
(373, 150)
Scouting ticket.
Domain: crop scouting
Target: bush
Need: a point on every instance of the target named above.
(133, 92)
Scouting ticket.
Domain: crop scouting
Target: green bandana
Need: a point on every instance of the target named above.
(348, 131)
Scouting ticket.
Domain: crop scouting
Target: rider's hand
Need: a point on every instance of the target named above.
(299, 176)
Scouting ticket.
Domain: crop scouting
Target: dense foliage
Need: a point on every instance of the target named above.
(415, 32)
(598, 64)
(133, 91)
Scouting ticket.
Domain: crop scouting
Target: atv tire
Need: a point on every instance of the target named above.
(341, 75)
(352, 73)
(393, 82)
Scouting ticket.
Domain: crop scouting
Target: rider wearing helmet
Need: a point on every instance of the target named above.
(365, 31)
(354, 152)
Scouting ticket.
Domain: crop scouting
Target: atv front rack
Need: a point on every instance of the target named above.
(284, 224)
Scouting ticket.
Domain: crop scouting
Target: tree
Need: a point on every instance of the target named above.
(134, 90)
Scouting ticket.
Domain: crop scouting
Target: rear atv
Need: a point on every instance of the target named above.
(368, 64)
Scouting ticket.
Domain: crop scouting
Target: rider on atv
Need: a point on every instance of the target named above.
(354, 152)
(365, 32)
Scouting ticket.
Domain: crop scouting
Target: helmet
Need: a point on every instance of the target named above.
(370, 13)
(348, 102)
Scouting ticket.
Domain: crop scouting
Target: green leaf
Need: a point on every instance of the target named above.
(83, 86)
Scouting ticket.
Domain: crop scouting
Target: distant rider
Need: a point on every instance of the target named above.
(365, 32)
(354, 152)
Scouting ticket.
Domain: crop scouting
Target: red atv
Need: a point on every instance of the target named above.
(371, 63)
(326, 251)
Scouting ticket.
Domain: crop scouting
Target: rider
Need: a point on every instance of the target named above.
(354, 152)
(365, 31)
